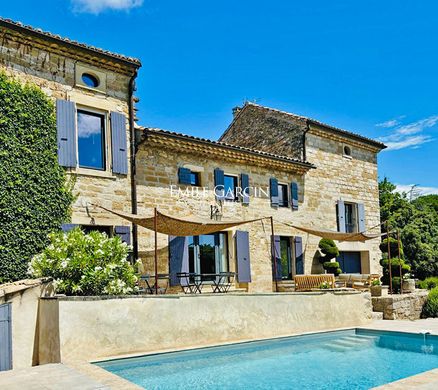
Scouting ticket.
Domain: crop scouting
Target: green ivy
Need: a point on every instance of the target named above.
(35, 196)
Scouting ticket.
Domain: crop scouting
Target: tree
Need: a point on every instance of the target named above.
(35, 197)
(418, 225)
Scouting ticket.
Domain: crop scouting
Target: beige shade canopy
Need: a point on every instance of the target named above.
(332, 235)
(178, 226)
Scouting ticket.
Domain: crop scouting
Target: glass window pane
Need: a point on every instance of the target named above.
(194, 178)
(91, 140)
(282, 195)
(230, 184)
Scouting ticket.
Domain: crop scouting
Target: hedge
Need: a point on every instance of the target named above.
(35, 197)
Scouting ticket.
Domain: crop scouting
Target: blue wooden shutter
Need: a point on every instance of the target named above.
(244, 183)
(66, 227)
(118, 143)
(124, 232)
(294, 195)
(273, 191)
(299, 257)
(341, 216)
(66, 130)
(361, 216)
(184, 175)
(277, 271)
(219, 181)
(242, 256)
(178, 258)
(5, 337)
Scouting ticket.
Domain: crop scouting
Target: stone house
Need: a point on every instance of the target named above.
(298, 170)
(93, 92)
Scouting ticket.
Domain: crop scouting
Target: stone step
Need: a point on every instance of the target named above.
(336, 347)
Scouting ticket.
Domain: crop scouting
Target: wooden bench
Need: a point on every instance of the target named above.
(312, 282)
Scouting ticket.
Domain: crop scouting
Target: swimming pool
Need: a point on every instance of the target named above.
(351, 359)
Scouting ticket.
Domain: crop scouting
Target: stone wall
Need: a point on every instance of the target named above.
(52, 68)
(263, 130)
(401, 307)
(97, 328)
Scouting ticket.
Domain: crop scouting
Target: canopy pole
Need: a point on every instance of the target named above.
(389, 257)
(273, 253)
(399, 261)
(156, 249)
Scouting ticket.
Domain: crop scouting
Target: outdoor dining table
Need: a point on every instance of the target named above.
(150, 283)
(192, 283)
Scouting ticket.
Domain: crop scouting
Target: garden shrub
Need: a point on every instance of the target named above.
(393, 246)
(430, 308)
(35, 198)
(428, 283)
(85, 264)
(330, 252)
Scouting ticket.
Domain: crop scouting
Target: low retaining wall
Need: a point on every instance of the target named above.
(92, 328)
(401, 307)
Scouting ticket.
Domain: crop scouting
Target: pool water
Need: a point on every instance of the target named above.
(352, 359)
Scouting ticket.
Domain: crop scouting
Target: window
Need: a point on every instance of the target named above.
(91, 140)
(89, 80)
(286, 258)
(282, 195)
(208, 254)
(351, 218)
(230, 185)
(194, 178)
(347, 151)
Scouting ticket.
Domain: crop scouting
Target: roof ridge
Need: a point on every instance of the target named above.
(47, 34)
(225, 144)
(317, 122)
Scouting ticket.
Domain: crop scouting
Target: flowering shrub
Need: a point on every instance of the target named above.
(85, 264)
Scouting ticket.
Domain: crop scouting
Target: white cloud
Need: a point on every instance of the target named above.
(97, 6)
(408, 142)
(408, 135)
(418, 190)
(387, 124)
(88, 126)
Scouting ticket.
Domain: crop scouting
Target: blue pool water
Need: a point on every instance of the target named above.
(352, 359)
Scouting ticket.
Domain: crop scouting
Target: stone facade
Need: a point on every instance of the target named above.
(351, 178)
(52, 64)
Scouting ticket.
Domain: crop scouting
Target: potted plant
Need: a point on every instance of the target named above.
(324, 286)
(376, 288)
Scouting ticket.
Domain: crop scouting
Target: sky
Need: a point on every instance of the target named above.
(368, 66)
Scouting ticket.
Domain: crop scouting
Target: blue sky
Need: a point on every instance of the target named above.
(365, 66)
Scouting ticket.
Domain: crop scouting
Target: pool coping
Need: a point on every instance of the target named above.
(426, 380)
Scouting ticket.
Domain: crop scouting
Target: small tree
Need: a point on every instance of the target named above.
(330, 252)
(85, 264)
(35, 198)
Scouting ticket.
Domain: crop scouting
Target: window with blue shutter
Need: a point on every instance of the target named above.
(294, 195)
(66, 227)
(178, 258)
(124, 232)
(242, 256)
(219, 181)
(361, 217)
(66, 133)
(340, 209)
(276, 267)
(299, 256)
(119, 143)
(244, 184)
(273, 191)
(184, 176)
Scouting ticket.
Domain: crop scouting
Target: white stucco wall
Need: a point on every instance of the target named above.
(95, 328)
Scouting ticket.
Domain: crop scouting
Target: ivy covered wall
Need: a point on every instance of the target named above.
(35, 196)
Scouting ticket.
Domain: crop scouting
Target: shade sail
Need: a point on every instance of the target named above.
(332, 235)
(178, 226)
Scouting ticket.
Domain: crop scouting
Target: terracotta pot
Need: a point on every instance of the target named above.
(376, 291)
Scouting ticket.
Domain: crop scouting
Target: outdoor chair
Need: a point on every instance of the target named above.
(190, 283)
(223, 282)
